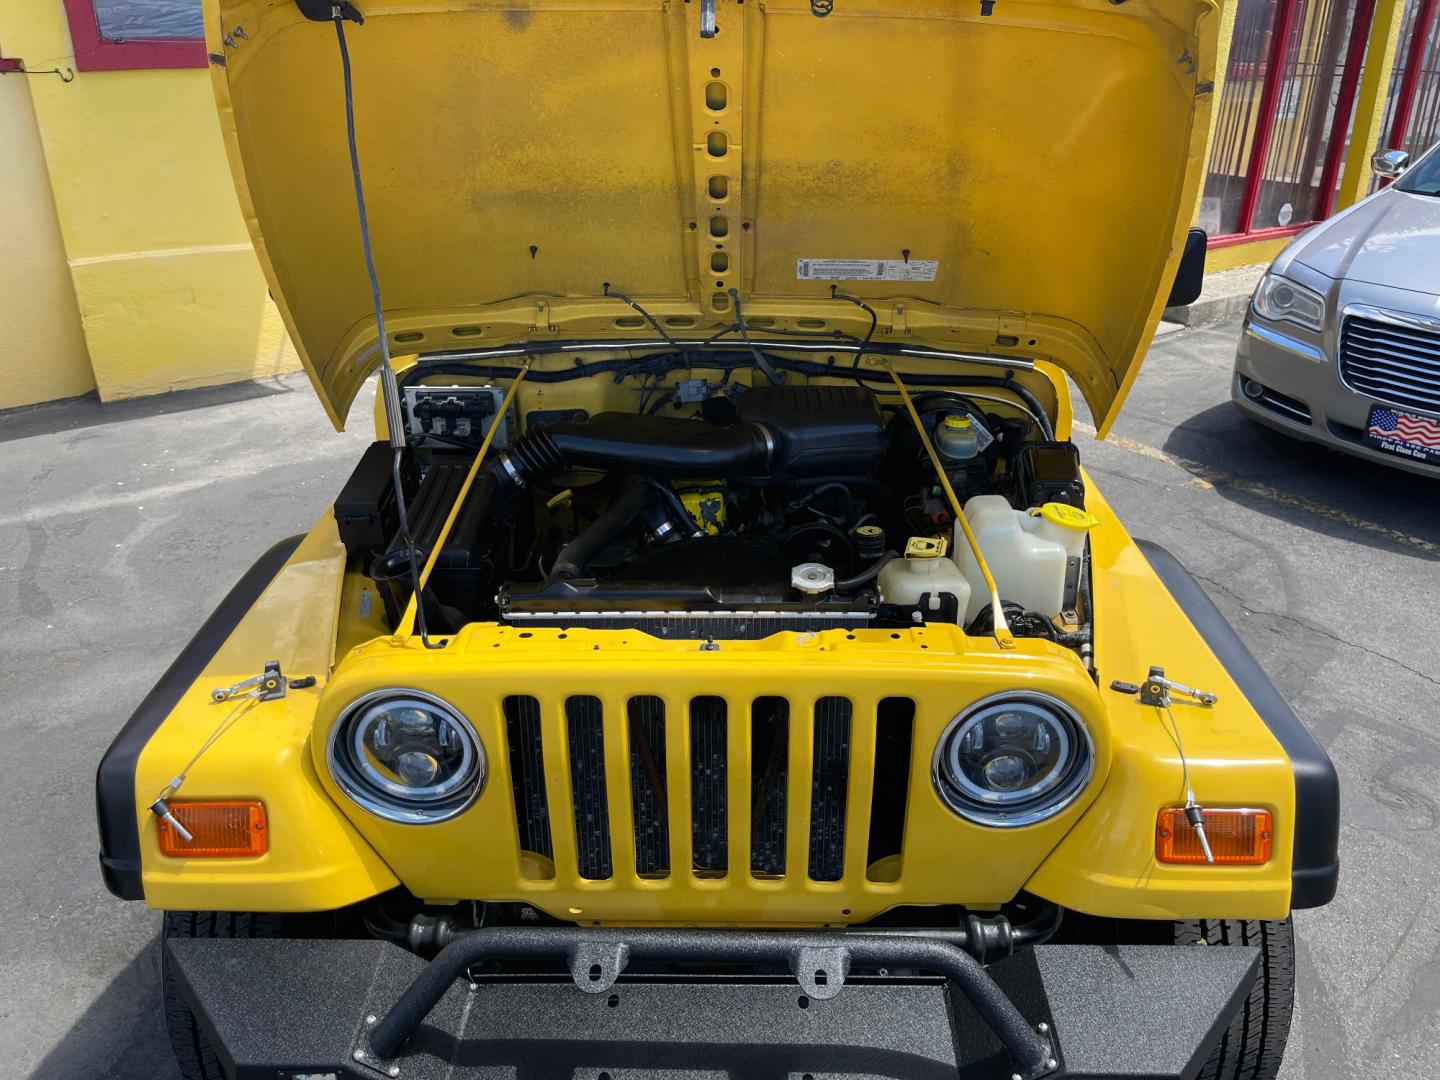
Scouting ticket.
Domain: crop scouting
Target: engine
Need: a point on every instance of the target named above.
(794, 507)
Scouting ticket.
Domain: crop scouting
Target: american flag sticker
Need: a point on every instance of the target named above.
(1405, 433)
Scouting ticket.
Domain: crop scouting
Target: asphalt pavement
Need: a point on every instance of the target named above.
(121, 526)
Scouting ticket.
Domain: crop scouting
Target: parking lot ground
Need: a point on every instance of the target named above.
(121, 527)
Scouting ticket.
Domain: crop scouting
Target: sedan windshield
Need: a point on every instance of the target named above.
(1424, 178)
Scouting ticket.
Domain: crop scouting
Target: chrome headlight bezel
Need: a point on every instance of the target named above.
(1031, 805)
(1283, 299)
(391, 801)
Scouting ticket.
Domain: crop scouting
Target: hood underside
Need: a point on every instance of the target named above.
(1014, 182)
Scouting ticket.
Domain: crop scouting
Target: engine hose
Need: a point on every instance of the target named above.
(654, 445)
(668, 494)
(869, 574)
(575, 556)
(842, 490)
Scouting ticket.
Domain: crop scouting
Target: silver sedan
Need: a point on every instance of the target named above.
(1341, 344)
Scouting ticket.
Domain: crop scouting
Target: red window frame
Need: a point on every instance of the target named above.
(96, 53)
(1410, 81)
(1273, 69)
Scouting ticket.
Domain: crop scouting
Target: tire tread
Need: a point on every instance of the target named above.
(194, 1054)
(1254, 1044)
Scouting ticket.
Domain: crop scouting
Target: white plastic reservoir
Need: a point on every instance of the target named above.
(905, 581)
(1026, 550)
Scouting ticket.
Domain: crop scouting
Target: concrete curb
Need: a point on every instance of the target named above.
(1226, 295)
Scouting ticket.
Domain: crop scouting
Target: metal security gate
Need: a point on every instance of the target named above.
(1284, 115)
(1412, 111)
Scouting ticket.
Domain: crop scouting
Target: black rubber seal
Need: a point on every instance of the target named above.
(115, 778)
(1316, 866)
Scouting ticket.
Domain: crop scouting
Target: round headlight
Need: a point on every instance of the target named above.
(407, 756)
(1013, 759)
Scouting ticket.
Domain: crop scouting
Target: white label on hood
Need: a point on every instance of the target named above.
(866, 269)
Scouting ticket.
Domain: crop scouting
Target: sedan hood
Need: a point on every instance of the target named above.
(1392, 238)
(1013, 176)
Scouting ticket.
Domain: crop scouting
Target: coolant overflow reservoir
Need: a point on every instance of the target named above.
(1033, 555)
(924, 569)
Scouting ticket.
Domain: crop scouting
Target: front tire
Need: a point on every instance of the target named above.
(192, 1049)
(1254, 1044)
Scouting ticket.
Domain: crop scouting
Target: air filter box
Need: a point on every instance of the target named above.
(822, 430)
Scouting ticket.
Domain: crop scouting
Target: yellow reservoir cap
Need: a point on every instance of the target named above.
(958, 420)
(1067, 517)
(926, 547)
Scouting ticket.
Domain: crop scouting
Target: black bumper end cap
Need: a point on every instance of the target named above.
(122, 877)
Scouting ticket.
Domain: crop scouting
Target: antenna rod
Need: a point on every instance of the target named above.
(389, 387)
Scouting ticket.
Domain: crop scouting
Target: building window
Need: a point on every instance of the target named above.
(1284, 115)
(114, 35)
(126, 20)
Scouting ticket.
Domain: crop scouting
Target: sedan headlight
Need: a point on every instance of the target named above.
(1013, 759)
(1281, 300)
(407, 756)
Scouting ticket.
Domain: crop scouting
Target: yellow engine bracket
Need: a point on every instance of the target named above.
(407, 623)
(1003, 637)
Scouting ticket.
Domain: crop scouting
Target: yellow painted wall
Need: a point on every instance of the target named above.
(1355, 179)
(42, 346)
(169, 291)
(1225, 35)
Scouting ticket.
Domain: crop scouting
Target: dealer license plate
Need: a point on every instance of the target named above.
(1404, 434)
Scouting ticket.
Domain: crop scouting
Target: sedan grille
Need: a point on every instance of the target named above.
(1391, 362)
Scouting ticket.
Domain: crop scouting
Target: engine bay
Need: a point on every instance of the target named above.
(728, 511)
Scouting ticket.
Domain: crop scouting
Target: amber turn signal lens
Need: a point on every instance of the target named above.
(218, 830)
(1237, 837)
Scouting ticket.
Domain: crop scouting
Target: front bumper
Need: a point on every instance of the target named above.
(1304, 398)
(865, 1006)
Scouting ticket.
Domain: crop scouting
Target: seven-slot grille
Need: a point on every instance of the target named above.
(1395, 363)
(776, 795)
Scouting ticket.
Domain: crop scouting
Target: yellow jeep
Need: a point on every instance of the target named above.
(720, 664)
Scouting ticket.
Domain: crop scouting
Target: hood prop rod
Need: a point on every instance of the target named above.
(389, 386)
(470, 477)
(1003, 637)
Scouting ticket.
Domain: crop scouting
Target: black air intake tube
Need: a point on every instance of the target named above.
(647, 445)
(782, 433)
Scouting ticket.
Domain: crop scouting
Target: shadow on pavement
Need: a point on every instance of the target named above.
(121, 1036)
(1285, 478)
(73, 414)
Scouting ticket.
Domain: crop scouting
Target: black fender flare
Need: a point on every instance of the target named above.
(1315, 869)
(115, 809)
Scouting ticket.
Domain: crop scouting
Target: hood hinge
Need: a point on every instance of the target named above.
(542, 318)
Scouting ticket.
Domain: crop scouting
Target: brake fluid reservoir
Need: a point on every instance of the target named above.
(957, 438)
(924, 569)
(1032, 554)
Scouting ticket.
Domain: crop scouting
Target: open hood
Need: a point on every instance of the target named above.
(1011, 176)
